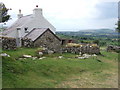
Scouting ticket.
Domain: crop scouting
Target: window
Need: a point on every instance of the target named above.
(26, 30)
(18, 28)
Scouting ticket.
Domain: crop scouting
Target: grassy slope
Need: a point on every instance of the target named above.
(0, 69)
(55, 72)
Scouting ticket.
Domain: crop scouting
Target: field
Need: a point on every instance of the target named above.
(54, 72)
(102, 37)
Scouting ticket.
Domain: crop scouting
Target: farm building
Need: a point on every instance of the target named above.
(43, 37)
(25, 24)
(66, 40)
(35, 28)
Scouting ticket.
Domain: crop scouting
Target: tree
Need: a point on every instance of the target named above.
(4, 17)
(96, 42)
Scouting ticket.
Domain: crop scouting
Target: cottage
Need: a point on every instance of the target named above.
(25, 24)
(43, 37)
(35, 28)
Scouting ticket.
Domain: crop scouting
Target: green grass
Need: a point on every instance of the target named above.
(51, 71)
(21, 51)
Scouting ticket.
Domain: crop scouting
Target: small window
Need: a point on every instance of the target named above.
(26, 30)
(18, 28)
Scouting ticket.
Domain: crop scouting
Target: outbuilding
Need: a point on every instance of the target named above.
(43, 37)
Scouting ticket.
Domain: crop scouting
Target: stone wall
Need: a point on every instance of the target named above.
(113, 48)
(49, 41)
(8, 43)
(27, 42)
(82, 49)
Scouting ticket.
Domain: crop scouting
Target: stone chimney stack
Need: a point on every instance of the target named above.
(37, 12)
(20, 15)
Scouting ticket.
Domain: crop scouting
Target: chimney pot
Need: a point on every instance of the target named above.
(36, 5)
(19, 11)
(20, 15)
(37, 12)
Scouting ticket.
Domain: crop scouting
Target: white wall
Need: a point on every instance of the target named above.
(36, 21)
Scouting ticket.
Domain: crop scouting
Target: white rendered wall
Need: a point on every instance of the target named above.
(36, 21)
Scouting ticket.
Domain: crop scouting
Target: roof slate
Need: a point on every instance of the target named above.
(19, 23)
(35, 33)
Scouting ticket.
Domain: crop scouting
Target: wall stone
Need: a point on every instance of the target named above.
(27, 42)
(8, 43)
(113, 48)
(85, 49)
(49, 41)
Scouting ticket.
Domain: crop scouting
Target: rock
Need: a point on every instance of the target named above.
(41, 58)
(4, 55)
(80, 53)
(94, 55)
(60, 57)
(27, 56)
(45, 51)
(81, 57)
(34, 58)
(40, 53)
(50, 52)
(20, 58)
(86, 55)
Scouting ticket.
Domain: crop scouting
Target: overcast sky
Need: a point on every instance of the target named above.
(69, 14)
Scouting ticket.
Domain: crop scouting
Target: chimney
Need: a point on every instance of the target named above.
(20, 15)
(18, 37)
(37, 12)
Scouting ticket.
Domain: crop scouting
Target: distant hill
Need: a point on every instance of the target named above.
(99, 31)
(91, 33)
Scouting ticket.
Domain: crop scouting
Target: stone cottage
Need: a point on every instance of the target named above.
(35, 28)
(43, 37)
(26, 24)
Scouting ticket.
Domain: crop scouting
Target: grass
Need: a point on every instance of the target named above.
(52, 71)
(21, 51)
(0, 69)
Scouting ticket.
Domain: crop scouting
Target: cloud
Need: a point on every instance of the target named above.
(69, 14)
(107, 10)
(108, 0)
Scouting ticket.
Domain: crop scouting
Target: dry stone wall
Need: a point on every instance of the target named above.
(8, 43)
(78, 49)
(113, 48)
(27, 42)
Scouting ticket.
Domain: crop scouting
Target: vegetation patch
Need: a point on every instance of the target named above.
(52, 71)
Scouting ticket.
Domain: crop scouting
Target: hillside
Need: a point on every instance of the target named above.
(55, 72)
(63, 70)
(92, 32)
(104, 36)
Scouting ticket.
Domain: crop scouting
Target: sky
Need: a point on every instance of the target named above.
(71, 15)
